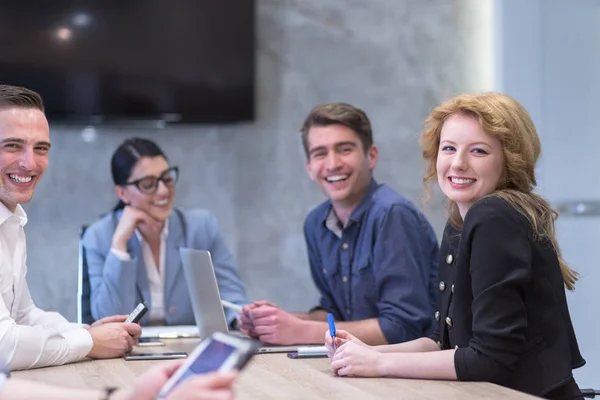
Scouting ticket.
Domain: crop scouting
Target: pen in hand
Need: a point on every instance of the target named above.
(332, 331)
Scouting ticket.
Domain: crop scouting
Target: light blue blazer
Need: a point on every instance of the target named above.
(113, 282)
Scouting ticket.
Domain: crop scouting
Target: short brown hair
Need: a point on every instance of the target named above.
(342, 114)
(16, 96)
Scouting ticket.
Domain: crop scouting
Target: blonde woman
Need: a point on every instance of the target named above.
(502, 312)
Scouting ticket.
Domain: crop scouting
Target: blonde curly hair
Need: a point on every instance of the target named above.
(501, 116)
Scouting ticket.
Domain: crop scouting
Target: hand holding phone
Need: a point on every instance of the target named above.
(219, 352)
(137, 313)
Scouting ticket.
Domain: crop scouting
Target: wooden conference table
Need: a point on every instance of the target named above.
(273, 376)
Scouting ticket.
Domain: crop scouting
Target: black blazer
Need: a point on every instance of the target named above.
(502, 304)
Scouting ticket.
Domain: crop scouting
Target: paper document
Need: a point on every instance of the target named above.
(171, 332)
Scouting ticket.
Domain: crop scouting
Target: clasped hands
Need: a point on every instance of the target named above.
(352, 357)
(270, 324)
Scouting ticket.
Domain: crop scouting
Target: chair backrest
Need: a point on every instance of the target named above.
(84, 311)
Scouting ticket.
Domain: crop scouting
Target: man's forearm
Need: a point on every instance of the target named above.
(315, 315)
(32, 347)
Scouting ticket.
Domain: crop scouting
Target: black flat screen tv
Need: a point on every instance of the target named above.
(96, 61)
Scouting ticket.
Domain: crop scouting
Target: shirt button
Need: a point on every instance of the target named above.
(456, 347)
(448, 321)
(442, 286)
(345, 246)
(439, 344)
(348, 311)
(344, 279)
(172, 309)
(324, 271)
(449, 259)
(452, 288)
(437, 315)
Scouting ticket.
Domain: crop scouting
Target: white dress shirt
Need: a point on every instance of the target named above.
(29, 336)
(156, 275)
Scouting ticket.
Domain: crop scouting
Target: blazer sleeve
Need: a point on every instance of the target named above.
(230, 285)
(500, 268)
(112, 281)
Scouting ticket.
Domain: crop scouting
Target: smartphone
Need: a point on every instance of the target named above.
(155, 356)
(218, 352)
(294, 354)
(137, 313)
(149, 341)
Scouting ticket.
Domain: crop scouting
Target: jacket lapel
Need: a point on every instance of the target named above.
(135, 250)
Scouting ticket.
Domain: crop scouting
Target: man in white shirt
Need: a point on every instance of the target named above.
(30, 337)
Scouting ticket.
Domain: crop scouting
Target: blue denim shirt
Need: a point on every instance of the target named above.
(384, 265)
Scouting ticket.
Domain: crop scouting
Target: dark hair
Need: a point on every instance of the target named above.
(16, 96)
(127, 155)
(342, 114)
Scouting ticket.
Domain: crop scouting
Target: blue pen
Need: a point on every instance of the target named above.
(332, 330)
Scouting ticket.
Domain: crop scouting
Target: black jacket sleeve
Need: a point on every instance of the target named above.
(499, 247)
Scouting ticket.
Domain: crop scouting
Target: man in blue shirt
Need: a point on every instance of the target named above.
(373, 255)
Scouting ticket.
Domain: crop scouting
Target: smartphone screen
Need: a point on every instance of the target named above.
(211, 359)
(219, 352)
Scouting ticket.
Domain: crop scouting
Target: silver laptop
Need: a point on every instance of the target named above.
(206, 300)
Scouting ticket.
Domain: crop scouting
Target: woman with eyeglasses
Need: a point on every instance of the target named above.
(132, 252)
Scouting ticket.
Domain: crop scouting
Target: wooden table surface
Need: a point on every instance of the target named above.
(274, 376)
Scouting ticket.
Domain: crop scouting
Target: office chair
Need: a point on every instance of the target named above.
(84, 311)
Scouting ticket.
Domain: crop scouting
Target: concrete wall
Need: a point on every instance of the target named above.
(394, 58)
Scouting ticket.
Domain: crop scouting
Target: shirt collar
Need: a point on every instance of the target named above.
(19, 214)
(360, 209)
(333, 223)
(365, 202)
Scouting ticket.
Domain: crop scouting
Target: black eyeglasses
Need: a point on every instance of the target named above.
(149, 184)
